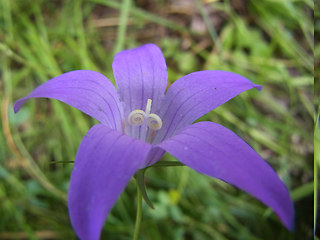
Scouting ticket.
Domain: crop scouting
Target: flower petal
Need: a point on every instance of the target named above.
(211, 149)
(140, 74)
(105, 162)
(88, 91)
(196, 94)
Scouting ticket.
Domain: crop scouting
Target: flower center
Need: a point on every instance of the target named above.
(137, 117)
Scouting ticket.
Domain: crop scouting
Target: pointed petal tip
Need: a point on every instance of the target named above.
(16, 109)
(258, 87)
(17, 105)
(290, 223)
(291, 226)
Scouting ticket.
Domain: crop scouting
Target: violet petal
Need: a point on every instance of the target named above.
(88, 91)
(105, 162)
(140, 74)
(214, 150)
(196, 94)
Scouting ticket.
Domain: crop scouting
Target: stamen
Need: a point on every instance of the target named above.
(137, 117)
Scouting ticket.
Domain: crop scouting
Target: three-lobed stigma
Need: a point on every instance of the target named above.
(137, 117)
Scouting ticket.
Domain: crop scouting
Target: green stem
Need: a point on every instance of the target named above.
(139, 214)
(316, 170)
(121, 35)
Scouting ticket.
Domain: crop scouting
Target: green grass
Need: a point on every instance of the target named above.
(269, 42)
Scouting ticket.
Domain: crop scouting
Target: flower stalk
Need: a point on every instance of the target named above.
(139, 209)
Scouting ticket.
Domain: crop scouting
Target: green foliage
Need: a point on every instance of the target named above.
(269, 42)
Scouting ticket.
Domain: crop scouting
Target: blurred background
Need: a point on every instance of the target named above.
(268, 41)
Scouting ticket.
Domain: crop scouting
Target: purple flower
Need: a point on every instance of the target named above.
(140, 122)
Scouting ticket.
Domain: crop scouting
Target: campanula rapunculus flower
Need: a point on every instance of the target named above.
(140, 122)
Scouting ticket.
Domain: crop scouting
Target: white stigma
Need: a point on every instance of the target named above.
(154, 121)
(137, 117)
